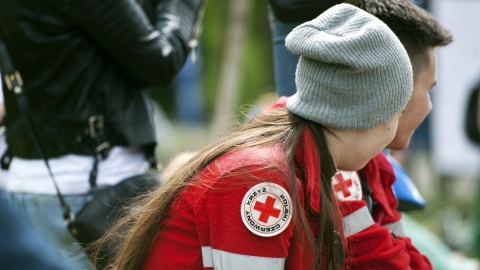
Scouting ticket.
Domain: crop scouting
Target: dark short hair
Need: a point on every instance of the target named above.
(416, 28)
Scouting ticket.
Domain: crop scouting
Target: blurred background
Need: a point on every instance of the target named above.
(230, 77)
(232, 72)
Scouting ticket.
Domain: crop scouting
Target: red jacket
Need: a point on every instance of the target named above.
(387, 250)
(217, 222)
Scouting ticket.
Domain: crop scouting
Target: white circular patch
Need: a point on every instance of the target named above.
(346, 186)
(266, 209)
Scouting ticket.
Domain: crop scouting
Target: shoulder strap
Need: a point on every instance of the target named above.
(14, 83)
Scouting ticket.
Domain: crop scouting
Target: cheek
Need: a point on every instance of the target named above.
(384, 136)
(389, 130)
(392, 129)
(419, 110)
(424, 105)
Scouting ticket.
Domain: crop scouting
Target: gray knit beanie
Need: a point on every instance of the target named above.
(353, 72)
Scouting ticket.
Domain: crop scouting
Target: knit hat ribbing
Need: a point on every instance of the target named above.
(353, 71)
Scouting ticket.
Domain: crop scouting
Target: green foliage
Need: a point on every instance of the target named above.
(256, 74)
(258, 65)
(212, 38)
(256, 71)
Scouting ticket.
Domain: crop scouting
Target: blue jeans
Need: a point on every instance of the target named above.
(44, 213)
(284, 61)
(21, 248)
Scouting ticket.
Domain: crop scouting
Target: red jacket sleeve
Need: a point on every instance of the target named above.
(204, 229)
(376, 247)
(380, 178)
(218, 219)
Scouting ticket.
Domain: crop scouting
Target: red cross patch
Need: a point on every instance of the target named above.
(346, 186)
(266, 209)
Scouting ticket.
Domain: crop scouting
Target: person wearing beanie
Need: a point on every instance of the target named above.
(386, 187)
(261, 197)
(355, 64)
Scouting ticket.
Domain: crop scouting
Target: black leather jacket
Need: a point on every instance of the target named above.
(87, 60)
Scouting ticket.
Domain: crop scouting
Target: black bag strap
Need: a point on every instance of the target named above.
(14, 83)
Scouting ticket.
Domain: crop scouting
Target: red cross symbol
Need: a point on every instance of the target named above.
(266, 209)
(342, 185)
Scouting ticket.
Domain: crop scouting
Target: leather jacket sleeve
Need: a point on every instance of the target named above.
(152, 52)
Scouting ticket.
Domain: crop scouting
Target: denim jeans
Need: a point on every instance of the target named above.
(21, 248)
(44, 214)
(284, 61)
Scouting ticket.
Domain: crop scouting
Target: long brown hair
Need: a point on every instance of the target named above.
(133, 235)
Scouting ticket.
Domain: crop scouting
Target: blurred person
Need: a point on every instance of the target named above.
(189, 100)
(86, 67)
(261, 197)
(472, 131)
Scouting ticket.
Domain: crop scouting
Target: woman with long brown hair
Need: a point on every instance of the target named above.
(261, 197)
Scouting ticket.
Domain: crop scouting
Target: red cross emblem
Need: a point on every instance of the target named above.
(266, 209)
(342, 185)
(347, 185)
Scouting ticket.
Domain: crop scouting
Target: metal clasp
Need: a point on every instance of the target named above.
(96, 125)
(14, 81)
(103, 149)
(69, 220)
